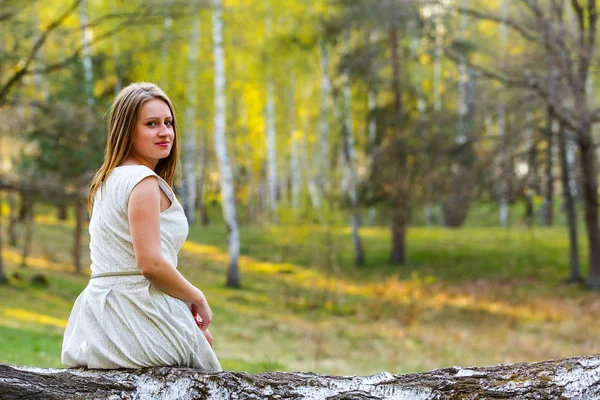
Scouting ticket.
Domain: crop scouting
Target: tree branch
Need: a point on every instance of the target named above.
(507, 22)
(24, 64)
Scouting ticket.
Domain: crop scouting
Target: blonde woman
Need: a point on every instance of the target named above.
(138, 310)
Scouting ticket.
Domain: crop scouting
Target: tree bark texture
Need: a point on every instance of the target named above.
(572, 378)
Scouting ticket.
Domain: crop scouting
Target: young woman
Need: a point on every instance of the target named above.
(138, 310)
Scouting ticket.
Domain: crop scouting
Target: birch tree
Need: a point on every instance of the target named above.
(504, 158)
(271, 134)
(325, 112)
(350, 163)
(86, 56)
(191, 126)
(225, 175)
(295, 149)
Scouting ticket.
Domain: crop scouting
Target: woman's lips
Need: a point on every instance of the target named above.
(163, 145)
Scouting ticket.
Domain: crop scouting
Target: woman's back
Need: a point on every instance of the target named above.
(121, 320)
(109, 226)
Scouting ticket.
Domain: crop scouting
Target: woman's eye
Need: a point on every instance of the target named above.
(168, 123)
(150, 124)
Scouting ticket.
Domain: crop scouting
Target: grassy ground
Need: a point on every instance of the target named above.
(467, 297)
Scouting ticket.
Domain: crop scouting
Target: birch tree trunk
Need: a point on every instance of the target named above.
(359, 256)
(295, 150)
(271, 134)
(504, 159)
(571, 378)
(189, 142)
(86, 56)
(325, 112)
(200, 199)
(225, 176)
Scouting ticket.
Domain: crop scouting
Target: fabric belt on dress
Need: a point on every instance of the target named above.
(116, 273)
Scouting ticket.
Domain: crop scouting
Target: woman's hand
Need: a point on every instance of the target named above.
(202, 314)
(201, 324)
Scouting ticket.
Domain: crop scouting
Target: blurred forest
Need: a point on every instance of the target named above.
(397, 142)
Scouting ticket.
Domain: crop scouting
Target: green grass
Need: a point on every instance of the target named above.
(474, 296)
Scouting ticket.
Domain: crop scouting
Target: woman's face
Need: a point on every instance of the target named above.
(154, 134)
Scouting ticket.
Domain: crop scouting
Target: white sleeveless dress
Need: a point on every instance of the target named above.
(121, 320)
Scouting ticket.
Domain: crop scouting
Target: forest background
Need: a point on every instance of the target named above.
(393, 185)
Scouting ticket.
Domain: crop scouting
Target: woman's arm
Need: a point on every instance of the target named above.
(144, 224)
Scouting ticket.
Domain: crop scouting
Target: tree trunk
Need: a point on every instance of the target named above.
(503, 151)
(2, 276)
(79, 207)
(590, 198)
(225, 176)
(28, 210)
(569, 206)
(348, 138)
(547, 207)
(11, 229)
(200, 198)
(62, 211)
(372, 136)
(86, 56)
(189, 145)
(457, 203)
(324, 153)
(295, 172)
(398, 219)
(271, 135)
(398, 207)
(531, 181)
(570, 378)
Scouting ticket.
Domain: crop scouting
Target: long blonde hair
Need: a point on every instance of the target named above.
(122, 120)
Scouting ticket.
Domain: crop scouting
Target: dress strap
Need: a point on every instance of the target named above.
(116, 273)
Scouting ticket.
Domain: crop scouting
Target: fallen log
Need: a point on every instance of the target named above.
(570, 378)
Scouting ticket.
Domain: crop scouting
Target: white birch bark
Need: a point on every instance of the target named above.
(295, 172)
(503, 213)
(568, 379)
(225, 175)
(189, 156)
(271, 134)
(350, 165)
(326, 91)
(86, 54)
